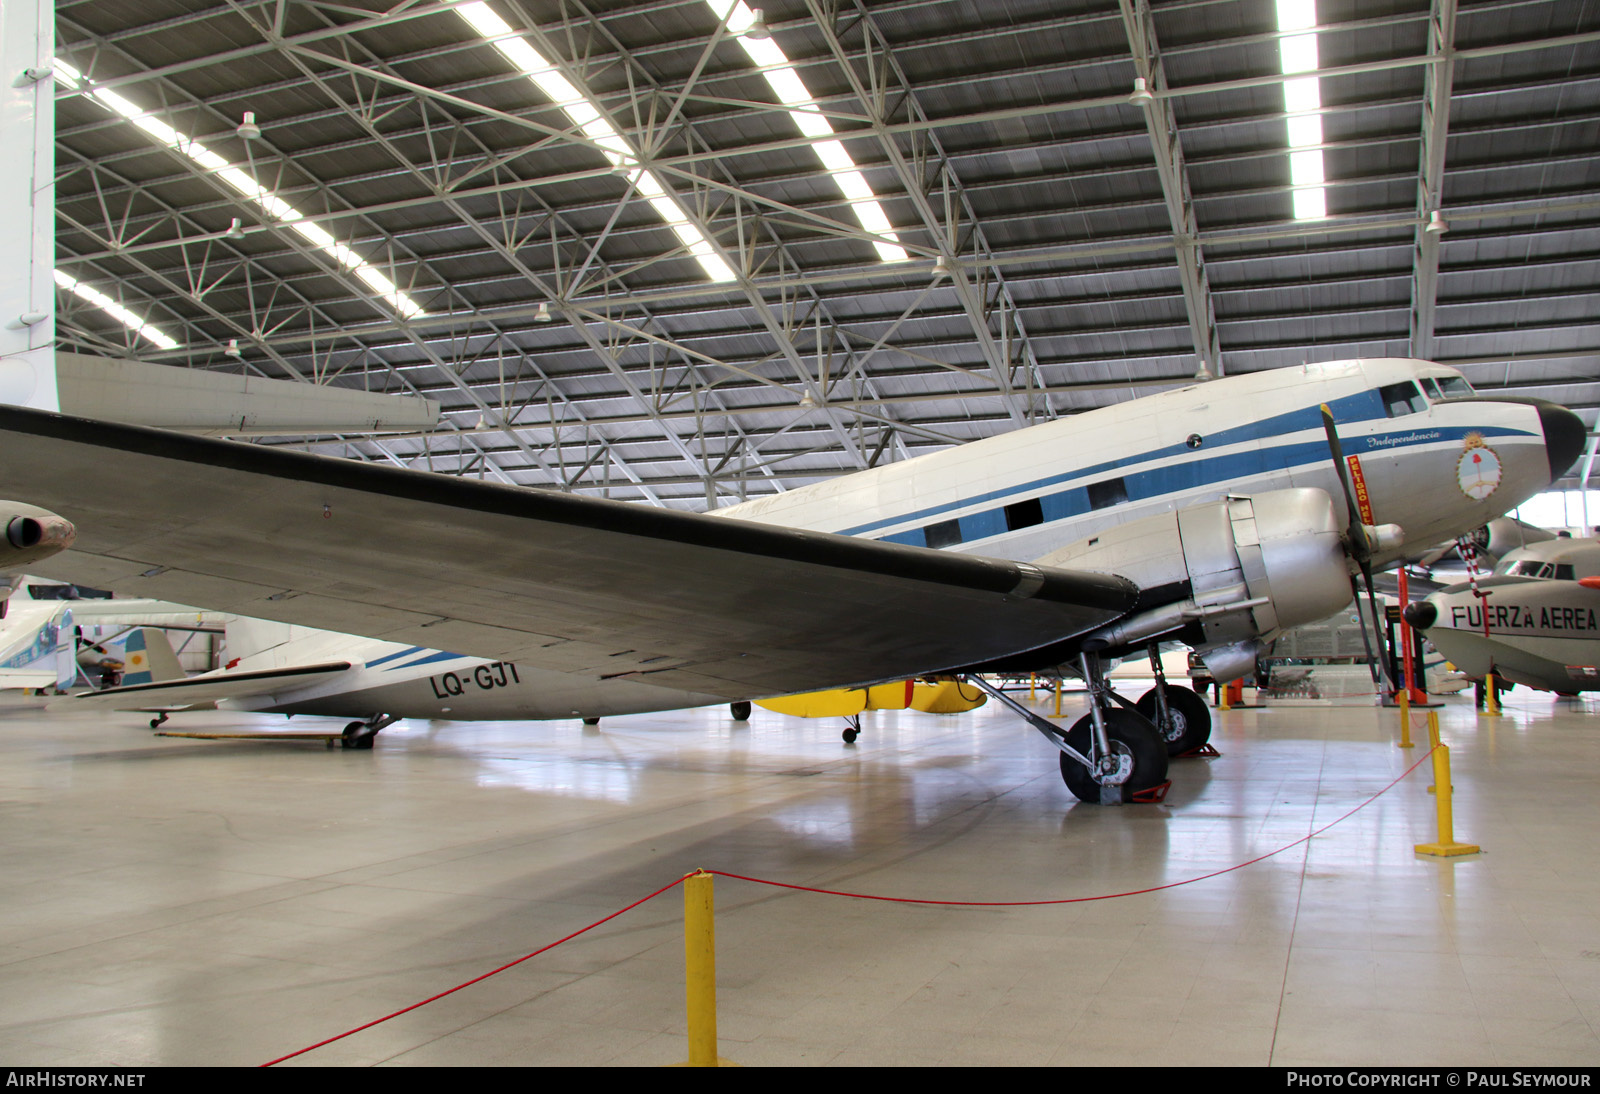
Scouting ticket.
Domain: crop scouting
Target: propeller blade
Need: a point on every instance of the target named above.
(1356, 539)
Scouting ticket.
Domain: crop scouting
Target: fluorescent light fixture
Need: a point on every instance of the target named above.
(791, 91)
(241, 181)
(114, 309)
(1302, 101)
(583, 114)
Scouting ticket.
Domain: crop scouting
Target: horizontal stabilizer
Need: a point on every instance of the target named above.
(204, 692)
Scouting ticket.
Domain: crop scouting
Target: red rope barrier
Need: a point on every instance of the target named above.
(861, 896)
(1084, 899)
(476, 979)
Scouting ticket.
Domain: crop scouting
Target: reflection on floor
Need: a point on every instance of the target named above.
(183, 902)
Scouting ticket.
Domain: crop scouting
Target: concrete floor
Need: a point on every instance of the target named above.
(170, 901)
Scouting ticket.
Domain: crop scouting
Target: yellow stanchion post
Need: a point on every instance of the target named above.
(1033, 679)
(1060, 687)
(700, 970)
(1222, 698)
(1433, 738)
(1405, 720)
(1446, 846)
(1491, 697)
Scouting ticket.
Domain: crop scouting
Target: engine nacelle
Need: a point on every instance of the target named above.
(29, 534)
(1231, 573)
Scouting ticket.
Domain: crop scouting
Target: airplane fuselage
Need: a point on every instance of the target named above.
(1542, 633)
(1025, 494)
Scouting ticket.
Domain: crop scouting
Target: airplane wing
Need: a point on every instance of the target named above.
(564, 582)
(203, 692)
(27, 678)
(147, 613)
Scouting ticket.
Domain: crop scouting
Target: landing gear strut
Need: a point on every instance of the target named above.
(1110, 755)
(1179, 714)
(361, 734)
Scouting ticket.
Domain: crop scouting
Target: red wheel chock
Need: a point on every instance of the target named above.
(1154, 795)
(1204, 752)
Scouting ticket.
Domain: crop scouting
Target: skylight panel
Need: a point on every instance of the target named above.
(247, 187)
(586, 117)
(791, 91)
(121, 314)
(1302, 102)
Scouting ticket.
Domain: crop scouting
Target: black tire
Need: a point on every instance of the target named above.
(1190, 718)
(740, 710)
(1132, 737)
(850, 736)
(591, 721)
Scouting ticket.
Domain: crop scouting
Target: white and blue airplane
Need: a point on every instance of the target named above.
(1215, 515)
(1535, 621)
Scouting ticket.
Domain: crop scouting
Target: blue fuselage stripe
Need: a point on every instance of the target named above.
(1174, 477)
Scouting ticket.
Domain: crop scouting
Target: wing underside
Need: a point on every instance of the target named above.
(564, 582)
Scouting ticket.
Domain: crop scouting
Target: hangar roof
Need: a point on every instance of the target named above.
(634, 249)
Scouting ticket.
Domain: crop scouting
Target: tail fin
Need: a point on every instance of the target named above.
(150, 658)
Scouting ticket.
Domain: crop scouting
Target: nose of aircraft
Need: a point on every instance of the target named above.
(1421, 614)
(1564, 437)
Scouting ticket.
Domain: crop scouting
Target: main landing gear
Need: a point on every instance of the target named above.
(361, 734)
(1180, 716)
(1111, 755)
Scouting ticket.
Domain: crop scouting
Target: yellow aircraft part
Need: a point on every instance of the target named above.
(895, 696)
(941, 697)
(819, 704)
(947, 697)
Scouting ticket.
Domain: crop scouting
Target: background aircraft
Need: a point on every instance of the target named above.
(277, 668)
(1215, 515)
(1535, 622)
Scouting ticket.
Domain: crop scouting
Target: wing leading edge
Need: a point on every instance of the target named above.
(563, 582)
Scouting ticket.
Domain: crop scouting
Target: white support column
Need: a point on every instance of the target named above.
(27, 204)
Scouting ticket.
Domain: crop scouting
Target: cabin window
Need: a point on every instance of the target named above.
(1564, 572)
(1401, 399)
(1103, 495)
(947, 533)
(1024, 514)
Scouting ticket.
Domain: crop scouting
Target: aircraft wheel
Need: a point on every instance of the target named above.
(358, 735)
(850, 735)
(1133, 742)
(1190, 718)
(740, 710)
(591, 721)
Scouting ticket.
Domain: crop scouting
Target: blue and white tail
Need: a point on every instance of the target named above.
(150, 658)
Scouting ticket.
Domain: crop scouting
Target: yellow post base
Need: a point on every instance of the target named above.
(1446, 850)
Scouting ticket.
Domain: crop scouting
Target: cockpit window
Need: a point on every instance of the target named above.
(1454, 387)
(1432, 388)
(1400, 399)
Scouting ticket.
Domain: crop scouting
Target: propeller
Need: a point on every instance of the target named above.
(1360, 541)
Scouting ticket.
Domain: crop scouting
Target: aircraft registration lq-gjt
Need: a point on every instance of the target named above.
(1215, 515)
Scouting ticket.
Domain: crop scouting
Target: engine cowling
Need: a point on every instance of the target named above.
(29, 534)
(1226, 577)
